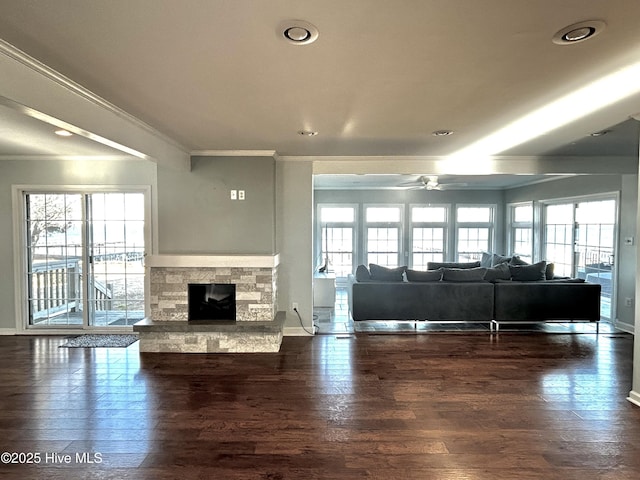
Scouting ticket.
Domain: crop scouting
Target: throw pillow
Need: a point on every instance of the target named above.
(549, 273)
(464, 274)
(486, 259)
(515, 260)
(458, 265)
(421, 276)
(362, 274)
(498, 259)
(499, 272)
(385, 274)
(528, 273)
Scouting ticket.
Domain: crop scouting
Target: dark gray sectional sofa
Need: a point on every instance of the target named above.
(390, 295)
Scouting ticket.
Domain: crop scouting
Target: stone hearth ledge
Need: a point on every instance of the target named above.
(211, 336)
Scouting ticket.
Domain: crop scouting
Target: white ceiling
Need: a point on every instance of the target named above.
(24, 136)
(216, 75)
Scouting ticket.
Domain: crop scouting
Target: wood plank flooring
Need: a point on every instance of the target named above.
(440, 406)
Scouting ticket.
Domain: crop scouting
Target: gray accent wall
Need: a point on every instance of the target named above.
(197, 215)
(55, 172)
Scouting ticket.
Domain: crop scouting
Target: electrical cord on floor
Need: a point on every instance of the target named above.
(302, 325)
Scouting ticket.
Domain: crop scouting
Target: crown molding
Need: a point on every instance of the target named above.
(18, 55)
(233, 153)
(74, 158)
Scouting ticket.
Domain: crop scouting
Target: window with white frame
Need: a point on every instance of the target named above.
(383, 234)
(521, 230)
(337, 233)
(429, 226)
(559, 237)
(474, 231)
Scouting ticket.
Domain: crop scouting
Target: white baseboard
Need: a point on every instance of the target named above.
(295, 332)
(634, 397)
(7, 331)
(625, 327)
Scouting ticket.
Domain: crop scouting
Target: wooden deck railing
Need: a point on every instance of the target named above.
(56, 287)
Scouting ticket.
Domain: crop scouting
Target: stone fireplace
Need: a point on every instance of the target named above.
(257, 327)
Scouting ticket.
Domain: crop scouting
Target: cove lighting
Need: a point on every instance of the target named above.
(580, 103)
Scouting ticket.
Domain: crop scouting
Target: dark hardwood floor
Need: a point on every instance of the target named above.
(440, 406)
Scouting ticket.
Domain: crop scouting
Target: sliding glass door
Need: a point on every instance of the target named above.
(84, 258)
(580, 239)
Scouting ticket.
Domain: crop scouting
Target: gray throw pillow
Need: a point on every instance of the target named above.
(528, 273)
(486, 260)
(515, 260)
(422, 276)
(499, 272)
(458, 265)
(464, 274)
(498, 259)
(362, 274)
(549, 271)
(385, 274)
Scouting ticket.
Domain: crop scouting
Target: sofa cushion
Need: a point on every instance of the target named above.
(458, 265)
(422, 276)
(528, 273)
(385, 274)
(464, 274)
(499, 272)
(362, 274)
(567, 280)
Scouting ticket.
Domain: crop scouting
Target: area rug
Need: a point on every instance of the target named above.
(94, 341)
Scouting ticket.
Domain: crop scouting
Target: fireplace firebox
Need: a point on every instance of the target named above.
(212, 301)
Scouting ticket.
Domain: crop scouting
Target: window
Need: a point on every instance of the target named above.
(558, 232)
(383, 227)
(428, 234)
(521, 231)
(474, 227)
(337, 238)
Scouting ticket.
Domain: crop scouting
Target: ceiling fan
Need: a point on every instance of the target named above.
(431, 182)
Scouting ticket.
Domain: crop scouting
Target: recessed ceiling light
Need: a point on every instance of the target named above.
(298, 32)
(63, 133)
(578, 32)
(307, 133)
(442, 133)
(600, 133)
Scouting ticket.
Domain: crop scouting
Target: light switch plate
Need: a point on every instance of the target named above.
(234, 194)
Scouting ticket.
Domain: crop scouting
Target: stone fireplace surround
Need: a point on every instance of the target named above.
(258, 327)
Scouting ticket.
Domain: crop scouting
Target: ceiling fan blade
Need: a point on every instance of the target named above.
(447, 186)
